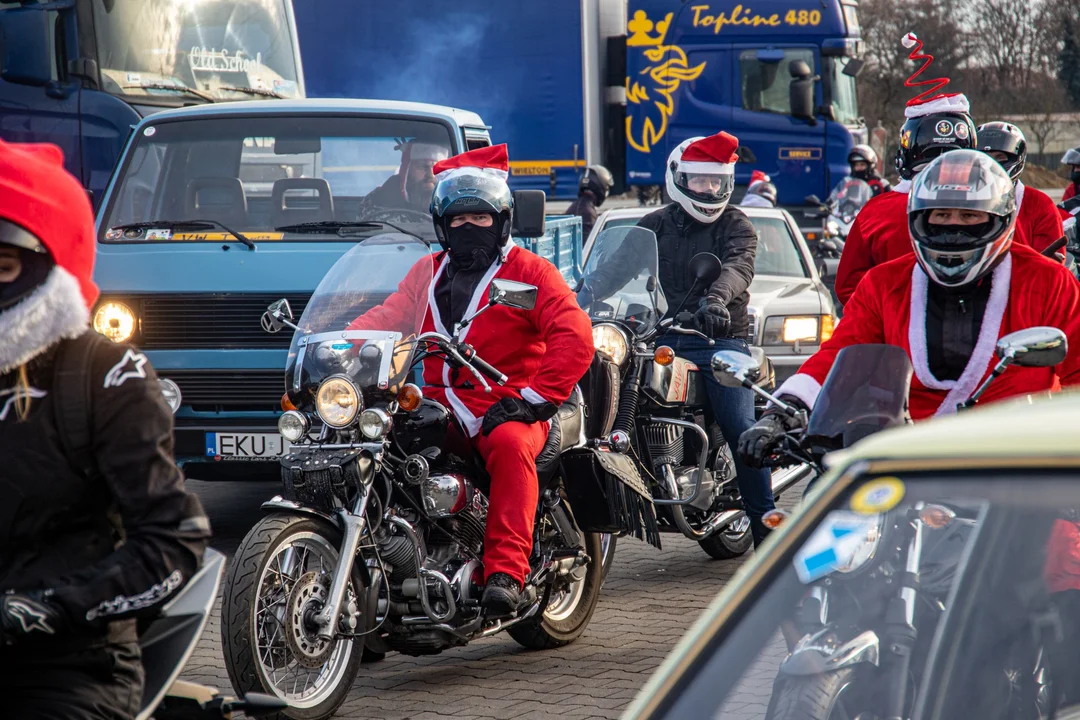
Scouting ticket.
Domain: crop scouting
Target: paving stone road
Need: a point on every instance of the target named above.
(649, 600)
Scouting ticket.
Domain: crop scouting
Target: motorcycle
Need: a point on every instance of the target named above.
(866, 624)
(375, 543)
(838, 212)
(167, 642)
(653, 404)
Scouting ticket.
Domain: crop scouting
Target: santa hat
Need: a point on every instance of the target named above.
(758, 177)
(713, 155)
(926, 103)
(492, 160)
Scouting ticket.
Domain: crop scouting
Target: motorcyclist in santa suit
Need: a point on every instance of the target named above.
(543, 351)
(592, 192)
(966, 285)
(96, 528)
(863, 163)
(700, 180)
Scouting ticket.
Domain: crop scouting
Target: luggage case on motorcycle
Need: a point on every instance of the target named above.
(600, 390)
(606, 494)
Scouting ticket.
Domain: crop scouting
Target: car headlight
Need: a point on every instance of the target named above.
(293, 425)
(172, 394)
(338, 402)
(115, 320)
(611, 340)
(790, 329)
(374, 424)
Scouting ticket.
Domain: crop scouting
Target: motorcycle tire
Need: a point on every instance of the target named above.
(607, 556)
(547, 630)
(722, 545)
(812, 697)
(238, 636)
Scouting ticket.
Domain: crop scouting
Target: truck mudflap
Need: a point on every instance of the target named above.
(828, 650)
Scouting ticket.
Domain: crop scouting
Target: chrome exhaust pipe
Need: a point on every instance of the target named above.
(423, 573)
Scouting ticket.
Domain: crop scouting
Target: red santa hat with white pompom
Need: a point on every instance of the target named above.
(925, 103)
(713, 155)
(493, 161)
(758, 177)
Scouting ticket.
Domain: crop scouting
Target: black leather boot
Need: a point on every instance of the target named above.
(502, 596)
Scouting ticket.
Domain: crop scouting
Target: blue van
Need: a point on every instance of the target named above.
(213, 212)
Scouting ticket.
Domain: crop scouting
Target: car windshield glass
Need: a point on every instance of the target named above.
(277, 177)
(223, 49)
(990, 561)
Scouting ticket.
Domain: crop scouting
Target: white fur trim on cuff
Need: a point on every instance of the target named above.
(532, 397)
(802, 386)
(956, 103)
(707, 168)
(53, 312)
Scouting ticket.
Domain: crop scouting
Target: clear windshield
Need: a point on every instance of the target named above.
(621, 279)
(363, 317)
(264, 176)
(225, 49)
(848, 198)
(843, 97)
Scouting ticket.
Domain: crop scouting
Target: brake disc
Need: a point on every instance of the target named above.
(301, 631)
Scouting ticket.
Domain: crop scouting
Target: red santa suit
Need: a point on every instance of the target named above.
(543, 352)
(1027, 290)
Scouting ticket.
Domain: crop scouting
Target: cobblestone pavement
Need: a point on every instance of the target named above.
(649, 600)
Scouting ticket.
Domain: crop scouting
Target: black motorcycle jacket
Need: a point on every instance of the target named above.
(732, 238)
(113, 539)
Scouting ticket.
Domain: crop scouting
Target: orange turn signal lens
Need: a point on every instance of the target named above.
(663, 355)
(936, 516)
(774, 518)
(828, 325)
(409, 397)
(286, 403)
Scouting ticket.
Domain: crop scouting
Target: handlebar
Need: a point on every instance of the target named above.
(464, 355)
(469, 353)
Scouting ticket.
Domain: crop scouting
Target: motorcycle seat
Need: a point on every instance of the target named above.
(567, 431)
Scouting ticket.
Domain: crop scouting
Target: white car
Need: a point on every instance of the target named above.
(791, 310)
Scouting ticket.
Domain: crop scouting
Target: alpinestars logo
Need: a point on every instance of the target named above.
(29, 617)
(13, 395)
(132, 365)
(121, 604)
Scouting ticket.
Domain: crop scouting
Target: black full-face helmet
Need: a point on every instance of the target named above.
(1006, 138)
(924, 138)
(471, 190)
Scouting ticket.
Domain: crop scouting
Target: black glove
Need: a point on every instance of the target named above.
(763, 437)
(509, 409)
(713, 317)
(26, 615)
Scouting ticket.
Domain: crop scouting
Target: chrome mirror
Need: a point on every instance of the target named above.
(512, 294)
(1034, 347)
(278, 314)
(732, 368)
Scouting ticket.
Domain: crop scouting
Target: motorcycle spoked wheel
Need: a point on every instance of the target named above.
(814, 697)
(731, 542)
(565, 614)
(281, 565)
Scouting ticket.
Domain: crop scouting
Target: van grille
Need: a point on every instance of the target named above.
(754, 321)
(230, 389)
(225, 320)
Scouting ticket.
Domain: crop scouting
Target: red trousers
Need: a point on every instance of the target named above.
(510, 455)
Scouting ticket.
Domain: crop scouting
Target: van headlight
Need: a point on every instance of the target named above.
(171, 391)
(791, 329)
(612, 340)
(338, 401)
(115, 320)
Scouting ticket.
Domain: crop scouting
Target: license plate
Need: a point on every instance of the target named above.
(246, 446)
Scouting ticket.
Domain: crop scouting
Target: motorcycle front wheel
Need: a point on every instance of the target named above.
(278, 578)
(812, 697)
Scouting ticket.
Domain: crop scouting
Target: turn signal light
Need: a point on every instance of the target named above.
(774, 518)
(409, 397)
(828, 324)
(286, 403)
(664, 355)
(936, 516)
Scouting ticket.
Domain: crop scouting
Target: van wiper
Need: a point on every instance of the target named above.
(178, 88)
(189, 224)
(254, 91)
(344, 229)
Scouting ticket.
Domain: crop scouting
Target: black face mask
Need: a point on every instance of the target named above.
(472, 247)
(860, 174)
(35, 268)
(1074, 176)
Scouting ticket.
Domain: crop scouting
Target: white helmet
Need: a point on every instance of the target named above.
(700, 175)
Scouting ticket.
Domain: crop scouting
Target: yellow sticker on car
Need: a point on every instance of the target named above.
(878, 496)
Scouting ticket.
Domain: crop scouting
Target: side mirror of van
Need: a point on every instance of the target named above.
(25, 39)
(801, 91)
(529, 208)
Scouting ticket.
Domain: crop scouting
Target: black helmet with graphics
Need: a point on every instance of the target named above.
(1005, 138)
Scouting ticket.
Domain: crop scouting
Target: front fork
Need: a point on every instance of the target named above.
(352, 524)
(900, 630)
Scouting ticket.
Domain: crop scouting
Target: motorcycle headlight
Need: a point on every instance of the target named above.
(374, 424)
(293, 425)
(611, 340)
(832, 227)
(845, 542)
(338, 401)
(115, 320)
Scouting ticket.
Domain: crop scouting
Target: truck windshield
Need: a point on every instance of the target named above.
(220, 49)
(842, 91)
(277, 177)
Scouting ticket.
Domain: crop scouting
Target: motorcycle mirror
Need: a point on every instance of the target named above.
(1034, 347)
(812, 200)
(705, 267)
(273, 320)
(732, 368)
(650, 284)
(521, 296)
(255, 705)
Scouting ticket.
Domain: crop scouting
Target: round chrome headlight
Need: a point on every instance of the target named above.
(374, 424)
(293, 425)
(115, 320)
(171, 391)
(338, 402)
(612, 340)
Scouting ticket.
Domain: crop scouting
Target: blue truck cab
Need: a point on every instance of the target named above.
(80, 73)
(273, 193)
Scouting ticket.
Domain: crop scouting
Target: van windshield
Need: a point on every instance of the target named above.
(277, 177)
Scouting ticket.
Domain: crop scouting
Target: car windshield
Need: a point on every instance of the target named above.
(265, 175)
(220, 49)
(777, 252)
(990, 561)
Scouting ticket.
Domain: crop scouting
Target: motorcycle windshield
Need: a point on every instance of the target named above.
(363, 318)
(848, 197)
(621, 282)
(866, 391)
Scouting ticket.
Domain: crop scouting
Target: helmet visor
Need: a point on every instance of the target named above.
(705, 188)
(470, 193)
(964, 180)
(12, 234)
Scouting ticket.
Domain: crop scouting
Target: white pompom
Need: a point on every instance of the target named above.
(909, 40)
